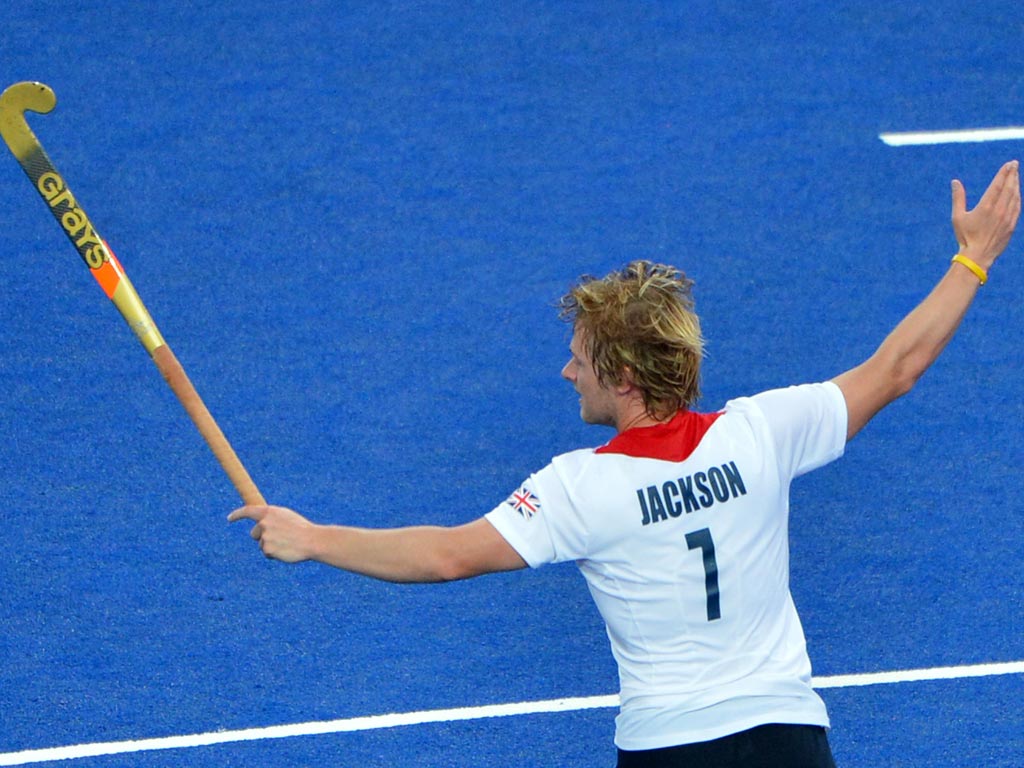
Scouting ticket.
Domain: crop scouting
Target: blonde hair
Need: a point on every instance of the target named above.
(639, 323)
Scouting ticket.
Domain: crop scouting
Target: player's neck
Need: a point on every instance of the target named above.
(634, 414)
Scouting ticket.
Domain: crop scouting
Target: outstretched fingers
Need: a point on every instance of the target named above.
(1010, 193)
(986, 229)
(1004, 187)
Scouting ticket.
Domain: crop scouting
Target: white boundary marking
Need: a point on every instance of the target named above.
(952, 137)
(377, 722)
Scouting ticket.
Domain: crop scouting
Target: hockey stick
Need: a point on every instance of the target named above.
(36, 97)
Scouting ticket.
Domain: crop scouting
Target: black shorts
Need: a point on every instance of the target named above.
(767, 746)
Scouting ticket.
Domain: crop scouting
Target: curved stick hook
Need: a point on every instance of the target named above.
(14, 102)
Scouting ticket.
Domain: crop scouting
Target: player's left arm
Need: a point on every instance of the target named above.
(983, 233)
(411, 554)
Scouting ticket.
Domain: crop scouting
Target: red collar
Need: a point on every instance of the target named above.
(673, 440)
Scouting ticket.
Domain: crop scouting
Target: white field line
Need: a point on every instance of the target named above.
(952, 137)
(377, 722)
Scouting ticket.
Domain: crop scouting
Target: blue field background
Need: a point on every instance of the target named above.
(351, 222)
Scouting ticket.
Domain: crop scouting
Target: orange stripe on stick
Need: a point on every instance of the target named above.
(109, 274)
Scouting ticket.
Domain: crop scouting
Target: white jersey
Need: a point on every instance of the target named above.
(681, 530)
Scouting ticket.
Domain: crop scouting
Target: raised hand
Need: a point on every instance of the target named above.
(984, 232)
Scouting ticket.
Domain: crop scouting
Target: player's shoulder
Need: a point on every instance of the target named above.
(826, 392)
(577, 458)
(579, 467)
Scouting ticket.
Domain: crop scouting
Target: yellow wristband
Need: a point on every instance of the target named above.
(979, 273)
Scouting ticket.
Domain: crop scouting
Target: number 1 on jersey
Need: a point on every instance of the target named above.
(702, 539)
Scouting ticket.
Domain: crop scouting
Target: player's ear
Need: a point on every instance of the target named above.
(627, 381)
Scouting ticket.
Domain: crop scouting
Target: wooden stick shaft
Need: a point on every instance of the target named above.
(179, 382)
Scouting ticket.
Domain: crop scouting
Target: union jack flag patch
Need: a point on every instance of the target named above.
(524, 502)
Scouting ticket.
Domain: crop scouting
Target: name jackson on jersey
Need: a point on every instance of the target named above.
(688, 494)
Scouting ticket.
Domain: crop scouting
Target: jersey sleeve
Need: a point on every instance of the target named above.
(539, 520)
(807, 424)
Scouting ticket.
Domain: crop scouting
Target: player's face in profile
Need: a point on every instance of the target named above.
(596, 400)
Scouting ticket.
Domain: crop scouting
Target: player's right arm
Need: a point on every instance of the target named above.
(412, 554)
(983, 233)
